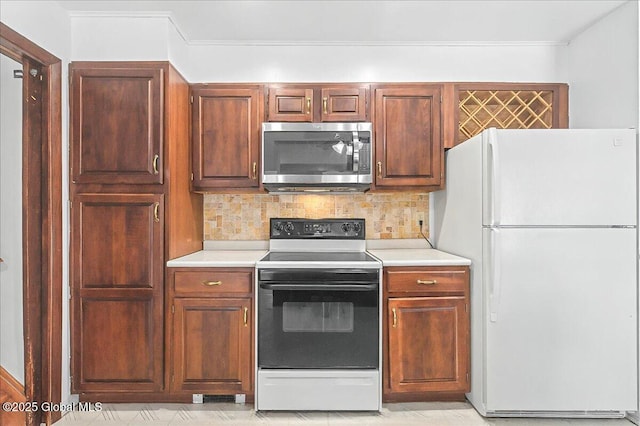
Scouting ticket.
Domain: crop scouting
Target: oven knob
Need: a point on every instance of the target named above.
(357, 227)
(288, 227)
(278, 226)
(346, 227)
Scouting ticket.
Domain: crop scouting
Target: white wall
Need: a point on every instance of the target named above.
(11, 332)
(106, 37)
(48, 25)
(119, 38)
(300, 63)
(603, 72)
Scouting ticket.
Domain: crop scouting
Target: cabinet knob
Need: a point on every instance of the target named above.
(379, 168)
(211, 283)
(324, 105)
(156, 212)
(395, 317)
(308, 105)
(246, 316)
(254, 176)
(427, 282)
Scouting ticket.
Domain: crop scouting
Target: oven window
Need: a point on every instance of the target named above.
(318, 329)
(323, 317)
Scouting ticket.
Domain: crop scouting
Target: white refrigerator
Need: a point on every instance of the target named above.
(549, 219)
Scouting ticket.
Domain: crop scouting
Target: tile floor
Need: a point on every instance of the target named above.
(222, 413)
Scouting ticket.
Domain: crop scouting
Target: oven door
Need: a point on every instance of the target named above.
(318, 319)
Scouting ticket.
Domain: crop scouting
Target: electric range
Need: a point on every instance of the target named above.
(318, 316)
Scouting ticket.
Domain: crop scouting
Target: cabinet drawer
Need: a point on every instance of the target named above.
(427, 280)
(205, 283)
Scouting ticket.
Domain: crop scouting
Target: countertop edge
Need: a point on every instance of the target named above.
(248, 258)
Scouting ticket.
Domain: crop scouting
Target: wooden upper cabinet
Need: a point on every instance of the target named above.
(116, 123)
(226, 136)
(318, 102)
(473, 107)
(290, 104)
(344, 104)
(407, 136)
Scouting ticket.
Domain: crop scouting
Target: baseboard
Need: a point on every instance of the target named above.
(633, 416)
(11, 390)
(135, 397)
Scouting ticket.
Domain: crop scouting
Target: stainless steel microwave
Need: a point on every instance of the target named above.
(317, 157)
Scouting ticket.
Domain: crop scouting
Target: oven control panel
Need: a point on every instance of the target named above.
(287, 228)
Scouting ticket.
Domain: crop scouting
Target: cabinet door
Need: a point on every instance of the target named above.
(407, 136)
(116, 125)
(428, 348)
(117, 292)
(344, 104)
(212, 346)
(226, 137)
(290, 104)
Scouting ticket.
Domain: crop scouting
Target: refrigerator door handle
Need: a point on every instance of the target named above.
(495, 278)
(494, 178)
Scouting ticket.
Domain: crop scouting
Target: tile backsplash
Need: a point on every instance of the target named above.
(246, 216)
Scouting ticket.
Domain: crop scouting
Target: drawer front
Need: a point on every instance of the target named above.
(427, 281)
(205, 283)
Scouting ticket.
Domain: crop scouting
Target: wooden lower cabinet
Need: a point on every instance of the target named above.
(117, 292)
(118, 342)
(211, 341)
(426, 333)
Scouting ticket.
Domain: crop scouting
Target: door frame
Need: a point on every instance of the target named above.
(42, 220)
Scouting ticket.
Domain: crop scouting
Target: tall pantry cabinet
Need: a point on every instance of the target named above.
(131, 210)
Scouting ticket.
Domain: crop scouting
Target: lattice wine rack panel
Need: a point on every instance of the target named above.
(503, 109)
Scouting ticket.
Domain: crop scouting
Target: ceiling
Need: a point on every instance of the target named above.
(365, 22)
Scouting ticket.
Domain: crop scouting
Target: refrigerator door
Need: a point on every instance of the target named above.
(559, 177)
(560, 322)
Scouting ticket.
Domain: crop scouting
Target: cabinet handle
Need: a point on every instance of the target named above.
(324, 105)
(379, 168)
(211, 283)
(156, 212)
(246, 316)
(395, 317)
(427, 282)
(255, 171)
(155, 164)
(308, 105)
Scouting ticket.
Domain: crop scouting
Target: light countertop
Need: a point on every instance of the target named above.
(245, 254)
(417, 257)
(218, 258)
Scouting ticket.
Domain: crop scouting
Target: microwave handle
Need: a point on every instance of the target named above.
(356, 151)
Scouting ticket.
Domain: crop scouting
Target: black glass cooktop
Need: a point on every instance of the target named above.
(285, 256)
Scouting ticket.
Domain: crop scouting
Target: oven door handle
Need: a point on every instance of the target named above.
(337, 286)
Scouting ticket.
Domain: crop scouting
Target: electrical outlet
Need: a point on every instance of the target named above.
(420, 217)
